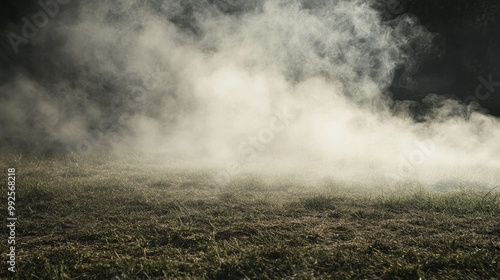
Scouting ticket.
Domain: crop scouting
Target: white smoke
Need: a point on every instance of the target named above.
(193, 82)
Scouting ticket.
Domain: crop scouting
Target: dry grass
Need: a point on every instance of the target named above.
(98, 219)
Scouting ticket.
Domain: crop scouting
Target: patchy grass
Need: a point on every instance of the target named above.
(100, 219)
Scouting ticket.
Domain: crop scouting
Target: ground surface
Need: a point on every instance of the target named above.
(98, 219)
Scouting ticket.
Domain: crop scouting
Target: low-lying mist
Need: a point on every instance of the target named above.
(247, 86)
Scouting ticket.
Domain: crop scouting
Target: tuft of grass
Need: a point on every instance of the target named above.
(468, 202)
(319, 202)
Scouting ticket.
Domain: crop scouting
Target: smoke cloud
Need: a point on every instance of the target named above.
(263, 86)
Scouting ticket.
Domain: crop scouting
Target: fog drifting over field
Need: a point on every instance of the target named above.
(268, 86)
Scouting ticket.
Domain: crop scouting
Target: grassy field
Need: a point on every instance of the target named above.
(102, 219)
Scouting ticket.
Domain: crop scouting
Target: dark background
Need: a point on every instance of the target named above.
(467, 45)
(468, 42)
